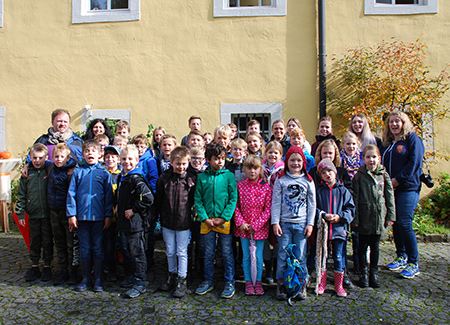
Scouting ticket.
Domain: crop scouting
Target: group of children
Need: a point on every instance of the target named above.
(205, 193)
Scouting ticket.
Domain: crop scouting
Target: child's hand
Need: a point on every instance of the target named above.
(333, 218)
(108, 222)
(250, 229)
(389, 223)
(129, 213)
(22, 222)
(244, 227)
(25, 171)
(277, 230)
(218, 222)
(308, 231)
(394, 183)
(210, 223)
(73, 224)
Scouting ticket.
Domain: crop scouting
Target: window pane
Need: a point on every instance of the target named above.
(384, 1)
(267, 2)
(119, 4)
(406, 2)
(98, 5)
(249, 3)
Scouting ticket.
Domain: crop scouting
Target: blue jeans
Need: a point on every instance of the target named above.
(338, 254)
(246, 259)
(176, 247)
(404, 236)
(293, 233)
(209, 244)
(90, 235)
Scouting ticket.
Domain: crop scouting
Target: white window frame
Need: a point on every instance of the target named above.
(424, 7)
(2, 128)
(274, 109)
(222, 9)
(88, 115)
(81, 13)
(1, 13)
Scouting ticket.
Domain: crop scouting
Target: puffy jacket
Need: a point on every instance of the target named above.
(403, 161)
(32, 194)
(342, 176)
(75, 144)
(135, 194)
(90, 195)
(149, 169)
(335, 200)
(253, 207)
(174, 199)
(319, 139)
(237, 170)
(215, 194)
(285, 143)
(374, 200)
(58, 184)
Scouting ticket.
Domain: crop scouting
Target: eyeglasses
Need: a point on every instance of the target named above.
(197, 158)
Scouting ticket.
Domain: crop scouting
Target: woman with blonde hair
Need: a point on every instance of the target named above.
(360, 126)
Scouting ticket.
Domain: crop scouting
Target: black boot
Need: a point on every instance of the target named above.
(373, 279)
(268, 266)
(363, 281)
(86, 270)
(170, 282)
(180, 288)
(347, 283)
(128, 279)
(98, 270)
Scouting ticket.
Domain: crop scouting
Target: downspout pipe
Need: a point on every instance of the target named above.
(322, 60)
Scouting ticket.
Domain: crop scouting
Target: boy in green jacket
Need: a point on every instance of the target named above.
(215, 201)
(32, 199)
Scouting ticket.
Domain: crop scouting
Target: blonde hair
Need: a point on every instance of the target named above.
(180, 152)
(366, 137)
(169, 136)
(353, 136)
(297, 132)
(39, 147)
(158, 128)
(238, 143)
(327, 119)
(61, 147)
(139, 139)
(407, 127)
(198, 151)
(253, 161)
(100, 137)
(130, 149)
(274, 145)
(328, 143)
(118, 138)
(121, 124)
(371, 147)
(296, 121)
(222, 130)
(256, 134)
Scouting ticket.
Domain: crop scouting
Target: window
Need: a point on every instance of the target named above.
(400, 7)
(94, 11)
(88, 114)
(240, 114)
(1, 13)
(243, 8)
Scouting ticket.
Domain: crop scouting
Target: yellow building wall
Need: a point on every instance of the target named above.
(176, 61)
(347, 26)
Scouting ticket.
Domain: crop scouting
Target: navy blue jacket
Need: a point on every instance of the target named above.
(58, 185)
(149, 169)
(335, 200)
(90, 195)
(403, 161)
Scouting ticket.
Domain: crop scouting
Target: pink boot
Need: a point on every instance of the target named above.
(323, 282)
(338, 278)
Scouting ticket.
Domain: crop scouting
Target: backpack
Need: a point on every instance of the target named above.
(295, 277)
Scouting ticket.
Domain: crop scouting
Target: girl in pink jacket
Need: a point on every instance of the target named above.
(252, 216)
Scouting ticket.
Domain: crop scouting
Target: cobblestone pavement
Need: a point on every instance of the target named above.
(423, 300)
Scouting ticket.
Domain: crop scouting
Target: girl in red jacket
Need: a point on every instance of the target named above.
(252, 219)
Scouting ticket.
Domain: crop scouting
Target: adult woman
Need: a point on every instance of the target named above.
(360, 126)
(403, 158)
(279, 134)
(295, 123)
(96, 127)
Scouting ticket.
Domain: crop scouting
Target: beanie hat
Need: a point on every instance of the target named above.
(326, 164)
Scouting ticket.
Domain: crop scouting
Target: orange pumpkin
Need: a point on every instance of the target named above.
(5, 155)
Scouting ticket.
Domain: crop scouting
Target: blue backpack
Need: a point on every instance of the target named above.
(295, 277)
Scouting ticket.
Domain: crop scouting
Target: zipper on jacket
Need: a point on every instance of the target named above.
(90, 195)
(331, 209)
(40, 190)
(214, 195)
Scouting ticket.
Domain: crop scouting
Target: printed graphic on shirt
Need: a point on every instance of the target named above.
(295, 199)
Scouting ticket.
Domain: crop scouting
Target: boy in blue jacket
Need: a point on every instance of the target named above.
(90, 209)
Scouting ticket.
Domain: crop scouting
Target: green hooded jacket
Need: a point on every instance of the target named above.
(32, 195)
(373, 195)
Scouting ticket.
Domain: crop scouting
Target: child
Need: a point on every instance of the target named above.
(351, 158)
(195, 123)
(222, 136)
(168, 142)
(335, 211)
(279, 134)
(59, 175)
(297, 138)
(120, 142)
(215, 201)
(293, 212)
(32, 199)
(195, 139)
(89, 209)
(234, 131)
(295, 123)
(156, 140)
(325, 129)
(146, 160)
(252, 216)
(197, 163)
(103, 141)
(255, 144)
(253, 125)
(133, 209)
(173, 201)
(375, 210)
(122, 128)
(238, 151)
(208, 138)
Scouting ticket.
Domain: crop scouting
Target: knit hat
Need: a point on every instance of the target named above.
(291, 151)
(326, 164)
(113, 149)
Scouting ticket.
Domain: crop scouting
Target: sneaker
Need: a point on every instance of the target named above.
(228, 291)
(60, 278)
(47, 275)
(302, 295)
(397, 264)
(410, 271)
(259, 290)
(135, 292)
(281, 290)
(249, 288)
(204, 288)
(127, 282)
(180, 288)
(269, 280)
(33, 274)
(170, 282)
